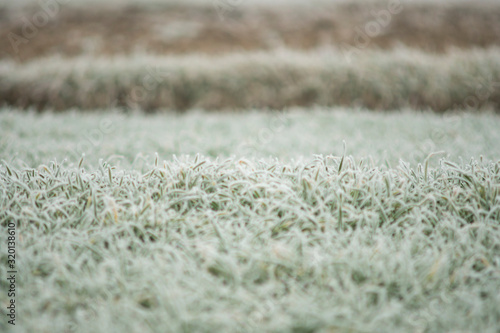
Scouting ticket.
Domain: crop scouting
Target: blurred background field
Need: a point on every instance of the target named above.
(226, 54)
(131, 141)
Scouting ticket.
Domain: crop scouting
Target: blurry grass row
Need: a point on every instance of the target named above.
(129, 140)
(373, 79)
(235, 245)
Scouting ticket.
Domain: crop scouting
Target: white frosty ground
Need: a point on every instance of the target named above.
(195, 244)
(298, 134)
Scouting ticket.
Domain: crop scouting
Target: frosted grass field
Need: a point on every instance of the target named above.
(153, 188)
(377, 80)
(384, 137)
(259, 222)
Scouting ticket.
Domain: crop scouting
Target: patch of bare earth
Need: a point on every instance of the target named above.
(198, 29)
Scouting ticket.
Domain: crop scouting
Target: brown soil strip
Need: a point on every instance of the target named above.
(197, 29)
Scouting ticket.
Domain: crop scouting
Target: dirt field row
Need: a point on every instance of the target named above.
(214, 29)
